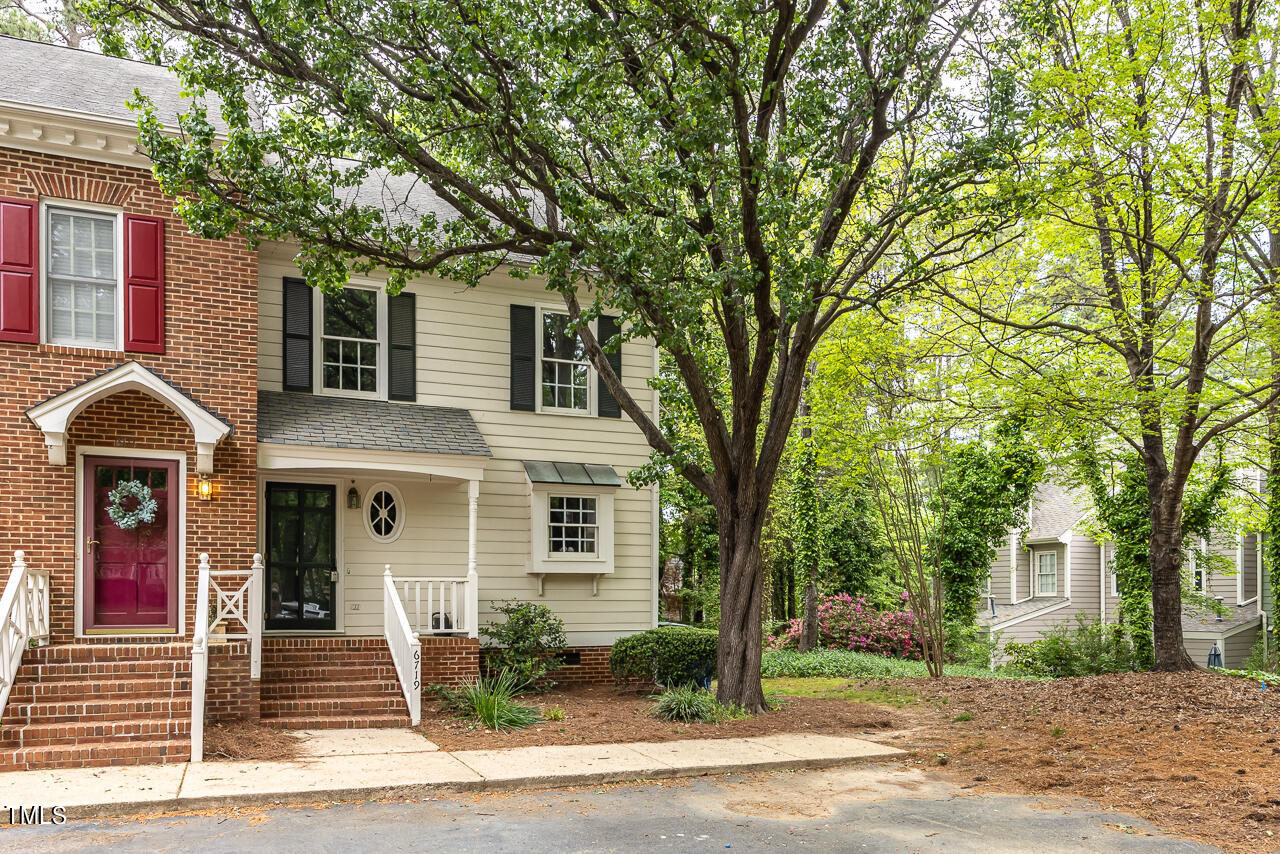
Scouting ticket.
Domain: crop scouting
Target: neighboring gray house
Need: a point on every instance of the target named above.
(1046, 575)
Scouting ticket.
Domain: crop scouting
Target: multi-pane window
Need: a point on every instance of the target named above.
(82, 282)
(1047, 574)
(574, 527)
(565, 369)
(349, 358)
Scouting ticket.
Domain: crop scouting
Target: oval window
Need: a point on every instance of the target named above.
(384, 512)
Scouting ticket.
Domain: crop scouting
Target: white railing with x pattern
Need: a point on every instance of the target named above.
(405, 646)
(231, 599)
(24, 617)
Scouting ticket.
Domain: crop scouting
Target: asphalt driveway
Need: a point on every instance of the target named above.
(860, 809)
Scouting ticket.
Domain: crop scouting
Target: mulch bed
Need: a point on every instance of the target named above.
(1195, 753)
(602, 715)
(248, 740)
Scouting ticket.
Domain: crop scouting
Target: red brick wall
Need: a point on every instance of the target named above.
(449, 660)
(211, 353)
(592, 667)
(230, 695)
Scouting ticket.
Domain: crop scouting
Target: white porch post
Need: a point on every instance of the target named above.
(255, 616)
(473, 585)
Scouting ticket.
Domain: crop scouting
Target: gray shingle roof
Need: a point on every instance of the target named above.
(64, 79)
(1054, 510)
(289, 418)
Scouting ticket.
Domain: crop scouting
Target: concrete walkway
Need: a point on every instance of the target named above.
(337, 765)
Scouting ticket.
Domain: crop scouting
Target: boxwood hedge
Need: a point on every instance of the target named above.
(667, 655)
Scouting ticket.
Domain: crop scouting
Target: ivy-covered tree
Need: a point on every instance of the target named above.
(716, 171)
(1124, 514)
(1131, 306)
(984, 491)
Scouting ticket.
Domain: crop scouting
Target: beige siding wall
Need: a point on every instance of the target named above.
(1237, 647)
(1198, 647)
(463, 361)
(1000, 574)
(1249, 568)
(1085, 583)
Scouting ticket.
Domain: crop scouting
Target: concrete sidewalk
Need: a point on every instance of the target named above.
(338, 765)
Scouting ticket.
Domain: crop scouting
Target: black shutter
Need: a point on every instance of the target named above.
(606, 328)
(401, 359)
(297, 335)
(524, 357)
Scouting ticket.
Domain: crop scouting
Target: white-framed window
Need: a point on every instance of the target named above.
(81, 267)
(384, 512)
(566, 380)
(351, 357)
(572, 529)
(1046, 574)
(1198, 579)
(573, 525)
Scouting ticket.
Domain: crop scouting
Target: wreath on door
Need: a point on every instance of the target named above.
(137, 494)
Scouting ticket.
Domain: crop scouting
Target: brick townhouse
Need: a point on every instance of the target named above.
(399, 463)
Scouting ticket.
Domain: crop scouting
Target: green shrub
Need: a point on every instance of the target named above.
(1253, 675)
(668, 655)
(689, 704)
(529, 642)
(971, 644)
(1085, 649)
(843, 663)
(491, 701)
(1264, 657)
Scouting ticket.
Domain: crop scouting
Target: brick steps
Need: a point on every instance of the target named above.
(95, 754)
(338, 722)
(330, 683)
(330, 674)
(83, 705)
(37, 735)
(344, 688)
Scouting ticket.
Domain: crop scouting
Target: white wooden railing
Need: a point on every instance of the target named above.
(24, 617)
(237, 607)
(406, 648)
(439, 606)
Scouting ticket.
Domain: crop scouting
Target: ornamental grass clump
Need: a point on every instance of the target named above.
(490, 700)
(854, 624)
(692, 704)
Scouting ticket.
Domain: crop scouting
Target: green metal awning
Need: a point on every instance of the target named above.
(573, 474)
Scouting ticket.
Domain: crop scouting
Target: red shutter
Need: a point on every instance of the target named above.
(143, 284)
(19, 285)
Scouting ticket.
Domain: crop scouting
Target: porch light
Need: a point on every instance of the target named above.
(204, 488)
(353, 497)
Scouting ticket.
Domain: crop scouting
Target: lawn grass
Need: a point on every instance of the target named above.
(840, 663)
(830, 688)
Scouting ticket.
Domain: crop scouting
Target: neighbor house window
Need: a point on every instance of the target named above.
(565, 372)
(1047, 574)
(82, 278)
(573, 527)
(350, 349)
(1197, 576)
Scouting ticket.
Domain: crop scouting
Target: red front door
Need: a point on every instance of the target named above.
(131, 573)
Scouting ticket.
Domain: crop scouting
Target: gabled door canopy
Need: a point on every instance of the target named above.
(54, 416)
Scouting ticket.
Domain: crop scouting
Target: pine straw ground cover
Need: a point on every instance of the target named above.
(1195, 753)
(599, 714)
(248, 740)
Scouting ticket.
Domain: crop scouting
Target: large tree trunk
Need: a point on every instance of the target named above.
(1166, 583)
(741, 597)
(809, 628)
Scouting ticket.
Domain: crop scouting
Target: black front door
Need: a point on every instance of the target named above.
(302, 566)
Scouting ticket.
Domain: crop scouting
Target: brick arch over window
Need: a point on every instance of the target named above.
(79, 188)
(55, 415)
